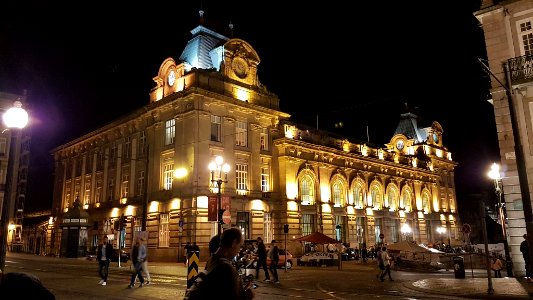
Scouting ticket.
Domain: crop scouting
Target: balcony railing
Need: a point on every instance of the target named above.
(521, 69)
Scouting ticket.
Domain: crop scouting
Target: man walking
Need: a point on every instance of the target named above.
(261, 259)
(385, 257)
(138, 255)
(104, 253)
(274, 260)
(524, 248)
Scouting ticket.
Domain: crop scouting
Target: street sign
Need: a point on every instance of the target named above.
(226, 217)
(180, 223)
(381, 235)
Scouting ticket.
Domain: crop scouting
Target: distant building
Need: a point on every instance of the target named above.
(508, 30)
(17, 183)
(211, 103)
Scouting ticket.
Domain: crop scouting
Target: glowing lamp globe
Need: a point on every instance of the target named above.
(16, 116)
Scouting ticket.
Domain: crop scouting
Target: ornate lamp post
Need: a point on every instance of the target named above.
(406, 231)
(15, 119)
(494, 174)
(217, 168)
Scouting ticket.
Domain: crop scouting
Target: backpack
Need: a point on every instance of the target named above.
(200, 289)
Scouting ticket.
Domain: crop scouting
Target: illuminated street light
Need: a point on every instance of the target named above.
(14, 119)
(217, 168)
(441, 230)
(494, 174)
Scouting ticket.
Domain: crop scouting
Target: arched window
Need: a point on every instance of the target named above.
(425, 202)
(358, 195)
(406, 201)
(392, 197)
(307, 190)
(376, 196)
(338, 194)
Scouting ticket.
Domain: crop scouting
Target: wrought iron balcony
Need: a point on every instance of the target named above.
(521, 69)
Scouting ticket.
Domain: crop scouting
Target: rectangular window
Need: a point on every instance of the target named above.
(164, 230)
(140, 184)
(263, 137)
(113, 154)
(126, 152)
(68, 194)
(111, 189)
(170, 132)
(378, 228)
(267, 231)
(308, 224)
(142, 143)
(216, 129)
(241, 134)
(87, 194)
(526, 33)
(168, 175)
(265, 177)
(243, 223)
(98, 190)
(340, 232)
(360, 230)
(241, 176)
(125, 188)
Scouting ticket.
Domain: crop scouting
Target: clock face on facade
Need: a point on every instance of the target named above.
(435, 138)
(171, 77)
(399, 145)
(240, 67)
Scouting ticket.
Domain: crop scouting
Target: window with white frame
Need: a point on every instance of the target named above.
(265, 177)
(140, 183)
(425, 202)
(241, 133)
(216, 128)
(126, 152)
(308, 224)
(142, 142)
(125, 188)
(526, 37)
(87, 194)
(241, 176)
(375, 196)
(170, 131)
(168, 174)
(267, 232)
(164, 230)
(307, 190)
(263, 138)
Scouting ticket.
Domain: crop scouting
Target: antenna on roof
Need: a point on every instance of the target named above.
(201, 12)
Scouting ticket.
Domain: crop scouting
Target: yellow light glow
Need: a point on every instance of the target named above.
(326, 208)
(350, 210)
(364, 150)
(115, 212)
(438, 152)
(442, 217)
(201, 201)
(401, 213)
(292, 206)
(16, 116)
(242, 94)
(175, 204)
(180, 84)
(380, 154)
(325, 193)
(65, 209)
(11, 227)
(97, 204)
(180, 173)
(414, 162)
(50, 220)
(257, 205)
(154, 207)
(129, 210)
(86, 206)
(369, 211)
(292, 190)
(123, 200)
(449, 156)
(451, 218)
(420, 215)
(346, 146)
(290, 131)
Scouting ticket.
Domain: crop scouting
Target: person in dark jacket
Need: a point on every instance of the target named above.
(274, 260)
(104, 253)
(261, 259)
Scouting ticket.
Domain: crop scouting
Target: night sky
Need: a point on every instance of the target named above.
(87, 63)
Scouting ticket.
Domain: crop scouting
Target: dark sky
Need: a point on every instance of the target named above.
(86, 63)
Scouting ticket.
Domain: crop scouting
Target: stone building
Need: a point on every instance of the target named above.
(508, 30)
(210, 103)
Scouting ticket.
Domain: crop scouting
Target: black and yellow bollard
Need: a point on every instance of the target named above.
(193, 259)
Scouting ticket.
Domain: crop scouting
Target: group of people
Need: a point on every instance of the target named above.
(262, 255)
(139, 261)
(384, 263)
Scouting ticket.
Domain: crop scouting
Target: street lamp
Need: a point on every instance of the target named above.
(441, 230)
(406, 231)
(15, 118)
(217, 168)
(494, 174)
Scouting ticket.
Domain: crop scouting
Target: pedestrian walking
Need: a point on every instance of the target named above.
(497, 267)
(138, 254)
(386, 258)
(226, 282)
(261, 259)
(364, 252)
(524, 248)
(381, 266)
(273, 254)
(104, 253)
(145, 270)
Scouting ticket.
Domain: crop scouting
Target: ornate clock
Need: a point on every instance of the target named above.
(399, 145)
(171, 77)
(240, 67)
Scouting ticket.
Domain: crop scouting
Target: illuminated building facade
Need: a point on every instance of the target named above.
(508, 32)
(210, 103)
